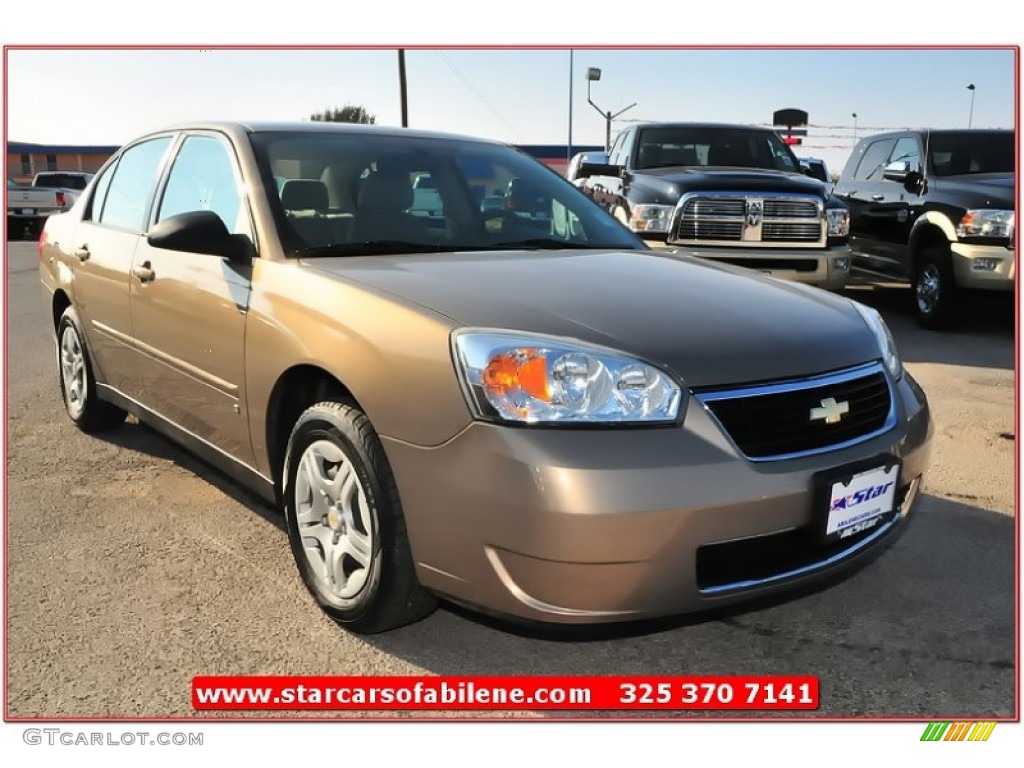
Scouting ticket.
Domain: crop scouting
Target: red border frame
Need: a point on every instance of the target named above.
(636, 718)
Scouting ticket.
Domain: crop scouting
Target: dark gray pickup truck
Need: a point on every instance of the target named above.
(934, 207)
(730, 193)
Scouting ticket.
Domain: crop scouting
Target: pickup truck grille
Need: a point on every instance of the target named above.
(767, 220)
(787, 419)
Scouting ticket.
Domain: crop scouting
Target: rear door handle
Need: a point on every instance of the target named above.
(878, 198)
(144, 272)
(82, 254)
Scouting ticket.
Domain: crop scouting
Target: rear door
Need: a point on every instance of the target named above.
(101, 252)
(901, 203)
(189, 309)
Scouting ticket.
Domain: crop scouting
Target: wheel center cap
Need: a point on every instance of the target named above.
(333, 518)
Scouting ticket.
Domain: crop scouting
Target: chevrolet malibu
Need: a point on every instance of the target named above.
(518, 408)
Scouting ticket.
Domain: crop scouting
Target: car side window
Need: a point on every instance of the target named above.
(100, 193)
(908, 152)
(134, 178)
(203, 178)
(874, 160)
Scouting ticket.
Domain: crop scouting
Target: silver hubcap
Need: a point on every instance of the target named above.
(333, 520)
(928, 289)
(72, 371)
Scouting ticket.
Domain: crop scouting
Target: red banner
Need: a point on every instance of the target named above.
(576, 693)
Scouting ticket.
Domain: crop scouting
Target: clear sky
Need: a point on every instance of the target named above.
(520, 96)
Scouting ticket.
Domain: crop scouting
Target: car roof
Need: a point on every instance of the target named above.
(314, 127)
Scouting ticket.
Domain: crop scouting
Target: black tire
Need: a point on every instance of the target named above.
(936, 296)
(77, 382)
(387, 595)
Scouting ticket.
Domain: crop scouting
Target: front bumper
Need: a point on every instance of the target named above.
(968, 258)
(584, 526)
(825, 268)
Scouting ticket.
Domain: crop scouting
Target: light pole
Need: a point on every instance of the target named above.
(593, 73)
(854, 116)
(970, 116)
(568, 146)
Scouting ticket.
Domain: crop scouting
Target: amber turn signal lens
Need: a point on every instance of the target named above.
(523, 369)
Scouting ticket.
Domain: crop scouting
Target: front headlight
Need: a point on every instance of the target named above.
(985, 222)
(890, 356)
(650, 218)
(838, 221)
(535, 379)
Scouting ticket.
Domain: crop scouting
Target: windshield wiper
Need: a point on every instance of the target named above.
(372, 248)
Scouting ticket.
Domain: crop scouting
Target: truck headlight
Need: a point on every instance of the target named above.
(648, 217)
(838, 221)
(986, 222)
(535, 379)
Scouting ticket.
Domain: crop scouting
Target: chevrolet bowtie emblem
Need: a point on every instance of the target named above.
(831, 411)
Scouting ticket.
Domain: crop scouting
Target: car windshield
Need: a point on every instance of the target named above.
(956, 153)
(356, 192)
(713, 146)
(61, 181)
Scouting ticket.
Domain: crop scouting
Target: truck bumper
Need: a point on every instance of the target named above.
(989, 267)
(825, 268)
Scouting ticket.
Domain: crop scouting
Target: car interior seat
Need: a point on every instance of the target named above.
(305, 203)
(382, 208)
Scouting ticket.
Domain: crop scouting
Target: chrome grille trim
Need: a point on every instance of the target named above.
(849, 375)
(763, 220)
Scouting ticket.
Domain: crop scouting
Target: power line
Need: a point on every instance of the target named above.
(469, 84)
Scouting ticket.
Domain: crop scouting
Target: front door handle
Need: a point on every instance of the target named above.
(878, 198)
(144, 272)
(82, 254)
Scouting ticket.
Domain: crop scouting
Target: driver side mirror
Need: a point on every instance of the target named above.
(199, 232)
(897, 171)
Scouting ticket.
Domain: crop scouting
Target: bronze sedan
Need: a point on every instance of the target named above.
(515, 406)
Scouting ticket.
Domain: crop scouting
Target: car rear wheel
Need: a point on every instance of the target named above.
(77, 384)
(935, 290)
(345, 523)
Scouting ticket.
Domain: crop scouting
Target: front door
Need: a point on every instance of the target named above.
(189, 309)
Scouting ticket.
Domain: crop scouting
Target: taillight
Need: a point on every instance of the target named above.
(42, 242)
(60, 199)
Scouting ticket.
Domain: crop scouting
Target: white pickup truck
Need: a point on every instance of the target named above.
(28, 208)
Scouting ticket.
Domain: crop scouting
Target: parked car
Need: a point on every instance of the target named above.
(937, 208)
(28, 207)
(730, 193)
(535, 415)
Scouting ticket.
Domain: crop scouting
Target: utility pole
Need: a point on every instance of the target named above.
(403, 88)
(593, 73)
(568, 145)
(970, 117)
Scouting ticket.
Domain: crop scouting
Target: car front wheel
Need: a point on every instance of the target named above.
(77, 384)
(345, 522)
(935, 290)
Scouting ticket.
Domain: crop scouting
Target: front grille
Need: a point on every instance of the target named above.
(774, 421)
(760, 558)
(751, 220)
(790, 209)
(803, 233)
(710, 230)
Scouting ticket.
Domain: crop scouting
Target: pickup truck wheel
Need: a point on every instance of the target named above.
(77, 384)
(345, 523)
(935, 290)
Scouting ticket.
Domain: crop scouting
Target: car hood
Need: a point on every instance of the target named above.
(750, 180)
(982, 190)
(710, 324)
